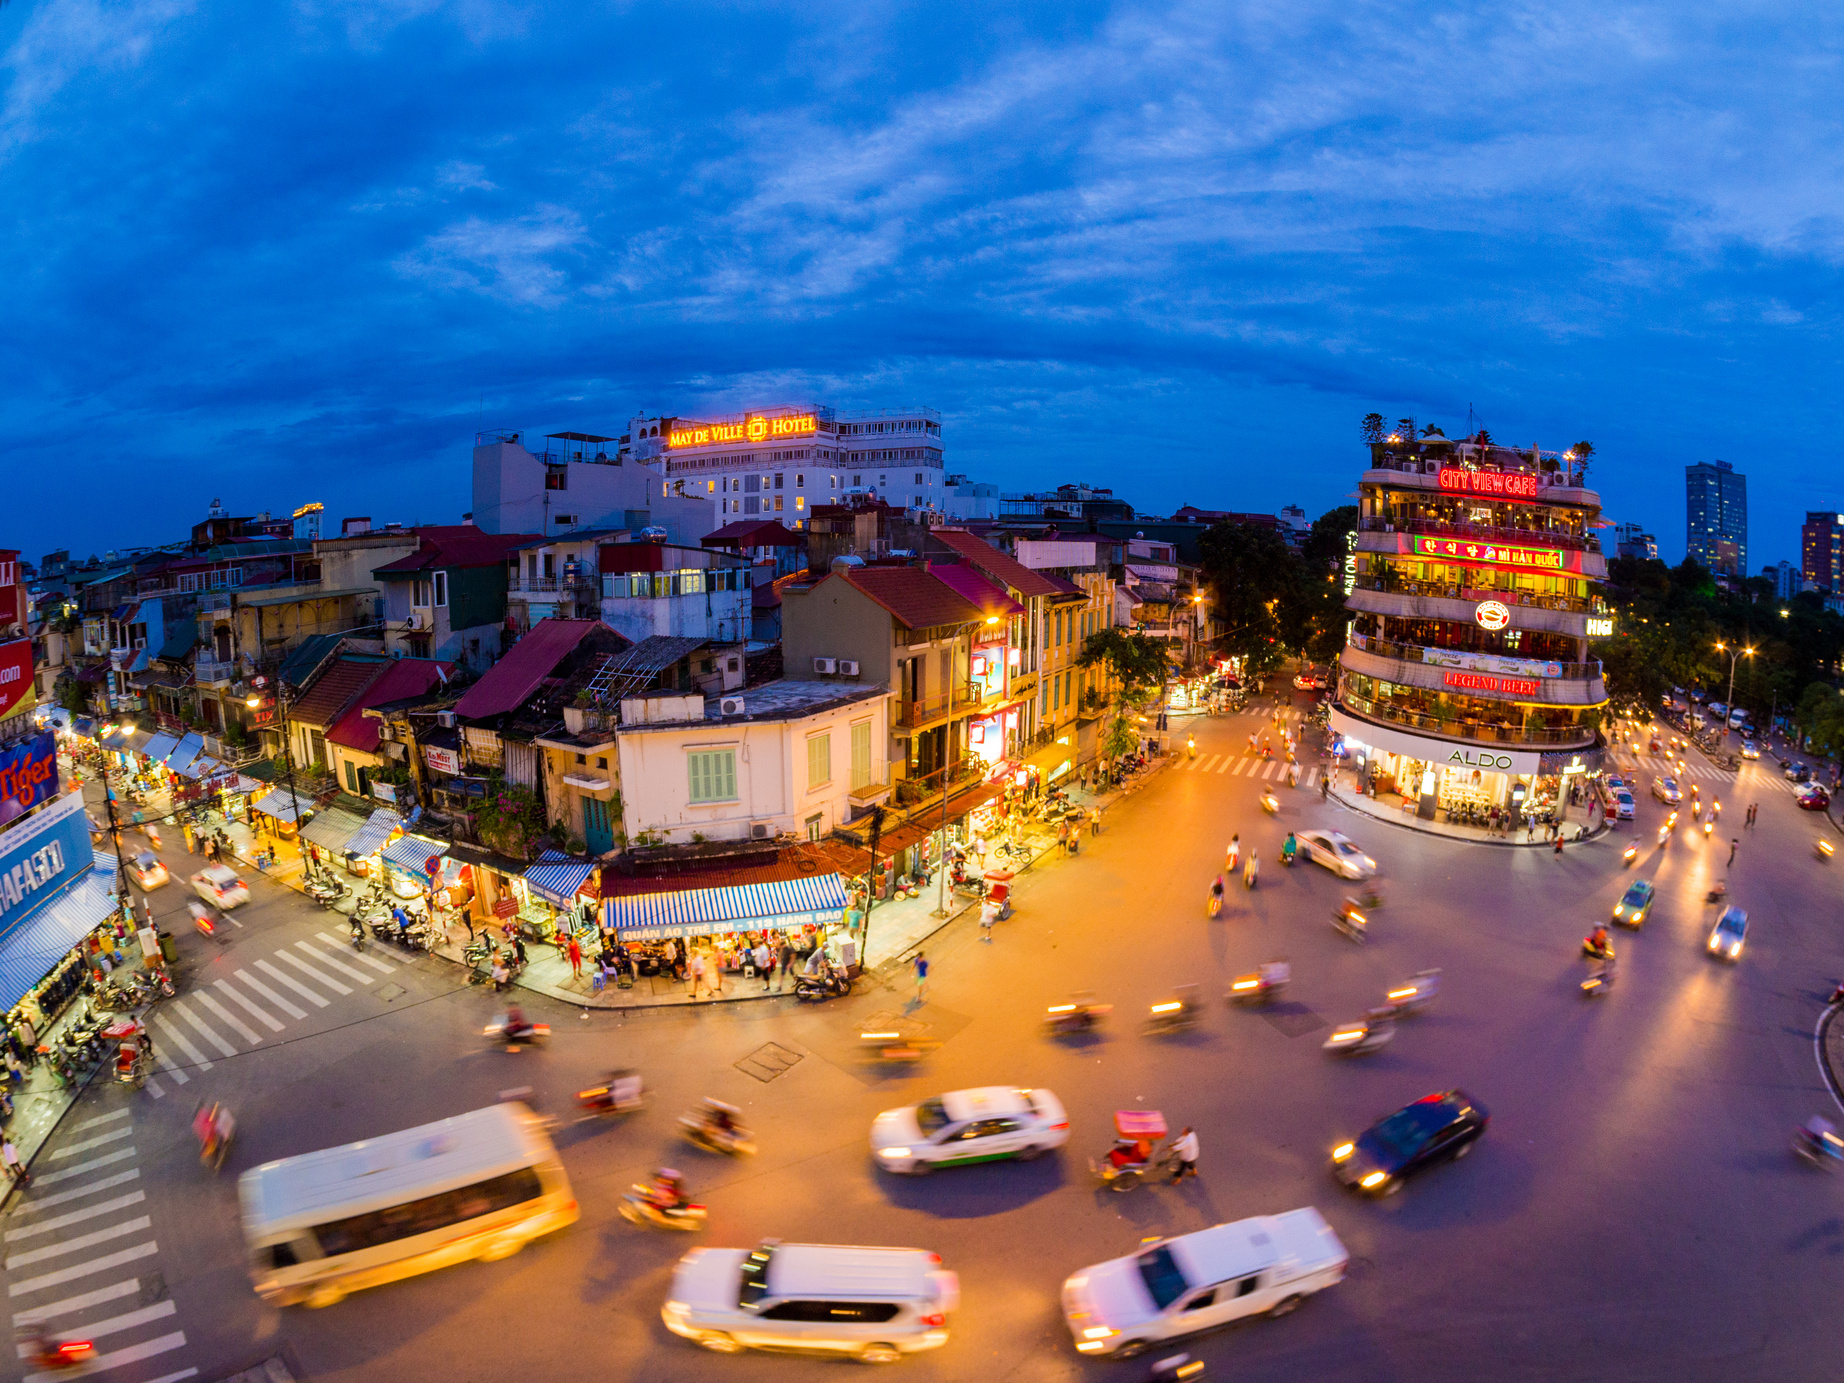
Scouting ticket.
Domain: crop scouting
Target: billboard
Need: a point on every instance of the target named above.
(39, 857)
(15, 674)
(28, 775)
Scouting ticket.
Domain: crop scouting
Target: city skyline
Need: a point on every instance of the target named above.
(709, 218)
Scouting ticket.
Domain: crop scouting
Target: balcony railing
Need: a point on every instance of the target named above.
(1499, 459)
(1415, 653)
(1592, 605)
(1483, 732)
(207, 671)
(924, 709)
(1487, 532)
(550, 585)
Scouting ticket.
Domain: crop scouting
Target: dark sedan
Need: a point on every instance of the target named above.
(1433, 1128)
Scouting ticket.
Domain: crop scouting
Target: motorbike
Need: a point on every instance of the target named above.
(1819, 1146)
(638, 1207)
(1261, 987)
(325, 891)
(1079, 1015)
(1351, 921)
(516, 1035)
(1213, 903)
(49, 1354)
(1630, 854)
(1176, 1014)
(893, 1046)
(1596, 950)
(716, 1128)
(816, 989)
(202, 918)
(622, 1093)
(357, 931)
(1717, 893)
(1824, 850)
(1599, 980)
(1414, 993)
(1270, 803)
(1374, 1030)
(1708, 827)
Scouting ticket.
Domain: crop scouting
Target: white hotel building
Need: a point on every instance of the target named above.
(781, 462)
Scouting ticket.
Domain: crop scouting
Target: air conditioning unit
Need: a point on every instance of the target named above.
(415, 620)
(825, 665)
(761, 830)
(847, 668)
(445, 719)
(730, 706)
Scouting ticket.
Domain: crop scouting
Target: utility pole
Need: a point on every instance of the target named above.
(288, 759)
(870, 884)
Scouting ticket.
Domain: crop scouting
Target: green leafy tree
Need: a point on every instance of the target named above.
(1254, 578)
(1138, 666)
(1317, 617)
(1373, 428)
(1405, 429)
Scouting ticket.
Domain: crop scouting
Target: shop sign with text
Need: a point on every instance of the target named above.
(1498, 484)
(28, 775)
(39, 857)
(1485, 682)
(442, 760)
(15, 674)
(754, 428)
(1488, 554)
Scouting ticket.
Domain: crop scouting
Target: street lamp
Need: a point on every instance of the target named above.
(1733, 653)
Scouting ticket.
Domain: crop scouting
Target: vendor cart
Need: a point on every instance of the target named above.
(1137, 1134)
(999, 893)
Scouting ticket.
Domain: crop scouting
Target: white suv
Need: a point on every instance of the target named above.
(966, 1126)
(871, 1303)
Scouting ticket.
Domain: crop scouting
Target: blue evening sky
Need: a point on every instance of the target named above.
(297, 252)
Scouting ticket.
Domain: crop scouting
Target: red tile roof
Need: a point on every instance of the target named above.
(404, 678)
(912, 595)
(993, 562)
(457, 545)
(511, 681)
(754, 533)
(337, 688)
(979, 589)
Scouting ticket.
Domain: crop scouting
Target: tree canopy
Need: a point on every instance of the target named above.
(1274, 600)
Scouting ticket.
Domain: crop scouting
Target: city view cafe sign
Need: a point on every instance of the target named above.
(756, 427)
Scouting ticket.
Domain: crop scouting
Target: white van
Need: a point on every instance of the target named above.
(872, 1303)
(1265, 1265)
(479, 1185)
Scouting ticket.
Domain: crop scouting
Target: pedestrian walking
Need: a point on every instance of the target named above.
(1734, 841)
(697, 973)
(1184, 1148)
(765, 962)
(575, 952)
(15, 1169)
(501, 975)
(1293, 773)
(1558, 844)
(920, 964)
(988, 914)
(979, 848)
(787, 962)
(1325, 787)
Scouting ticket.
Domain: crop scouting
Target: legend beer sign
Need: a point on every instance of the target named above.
(1497, 484)
(755, 428)
(1488, 554)
(1497, 686)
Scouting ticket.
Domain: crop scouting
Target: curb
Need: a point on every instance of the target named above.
(1550, 845)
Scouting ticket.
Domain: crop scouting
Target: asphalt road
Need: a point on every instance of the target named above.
(1632, 1212)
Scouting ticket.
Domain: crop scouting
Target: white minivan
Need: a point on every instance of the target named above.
(874, 1304)
(1265, 1265)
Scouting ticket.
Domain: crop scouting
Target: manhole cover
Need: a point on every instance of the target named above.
(153, 1288)
(768, 1061)
(391, 993)
(1296, 1020)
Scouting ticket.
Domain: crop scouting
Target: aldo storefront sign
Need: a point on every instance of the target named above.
(1429, 749)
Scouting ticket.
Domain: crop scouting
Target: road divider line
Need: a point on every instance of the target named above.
(106, 1160)
(272, 996)
(78, 1303)
(204, 1029)
(178, 1039)
(116, 1324)
(95, 1265)
(337, 964)
(236, 1024)
(98, 1141)
(76, 1193)
(100, 1119)
(312, 973)
(230, 992)
(72, 1217)
(343, 947)
(82, 1241)
(1227, 761)
(291, 983)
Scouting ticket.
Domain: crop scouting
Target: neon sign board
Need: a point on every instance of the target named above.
(754, 428)
(1502, 484)
(1479, 681)
(1488, 554)
(1492, 614)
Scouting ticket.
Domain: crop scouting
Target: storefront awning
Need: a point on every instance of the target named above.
(201, 768)
(115, 739)
(696, 911)
(333, 828)
(413, 852)
(138, 740)
(159, 747)
(1051, 757)
(28, 954)
(188, 749)
(281, 804)
(378, 828)
(84, 726)
(556, 877)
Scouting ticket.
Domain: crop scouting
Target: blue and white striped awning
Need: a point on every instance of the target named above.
(556, 877)
(41, 941)
(159, 747)
(741, 907)
(281, 804)
(413, 852)
(188, 749)
(376, 830)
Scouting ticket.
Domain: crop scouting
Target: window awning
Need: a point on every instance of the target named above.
(333, 828)
(27, 954)
(159, 747)
(413, 852)
(378, 828)
(188, 749)
(743, 907)
(281, 804)
(556, 877)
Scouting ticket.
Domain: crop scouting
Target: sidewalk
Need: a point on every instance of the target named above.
(1588, 816)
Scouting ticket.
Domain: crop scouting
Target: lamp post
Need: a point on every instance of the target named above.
(1734, 653)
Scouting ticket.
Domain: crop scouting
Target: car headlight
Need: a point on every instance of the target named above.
(677, 1308)
(1375, 1179)
(895, 1153)
(1735, 950)
(1099, 1332)
(1342, 1151)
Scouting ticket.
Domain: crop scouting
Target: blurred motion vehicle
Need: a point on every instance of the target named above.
(479, 1185)
(875, 1304)
(219, 885)
(1730, 934)
(1750, 750)
(147, 871)
(1813, 798)
(1443, 1125)
(967, 1126)
(1635, 904)
(1666, 791)
(1265, 1265)
(1336, 852)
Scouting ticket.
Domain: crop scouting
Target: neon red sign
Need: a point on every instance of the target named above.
(1501, 484)
(1479, 681)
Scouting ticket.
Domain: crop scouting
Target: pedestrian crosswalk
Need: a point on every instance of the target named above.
(251, 1006)
(80, 1222)
(1250, 766)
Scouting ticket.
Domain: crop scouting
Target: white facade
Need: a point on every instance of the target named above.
(780, 462)
(789, 765)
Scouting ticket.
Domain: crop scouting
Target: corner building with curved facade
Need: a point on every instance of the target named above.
(1466, 682)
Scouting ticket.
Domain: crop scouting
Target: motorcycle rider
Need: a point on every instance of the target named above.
(1289, 848)
(1598, 943)
(666, 1194)
(516, 1026)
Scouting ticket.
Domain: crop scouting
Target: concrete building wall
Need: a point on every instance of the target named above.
(834, 619)
(513, 494)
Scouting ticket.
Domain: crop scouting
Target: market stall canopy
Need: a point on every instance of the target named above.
(188, 749)
(29, 952)
(379, 827)
(696, 911)
(333, 828)
(160, 746)
(138, 740)
(281, 804)
(413, 852)
(115, 739)
(201, 768)
(556, 877)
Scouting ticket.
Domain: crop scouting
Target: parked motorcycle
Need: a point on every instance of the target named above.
(816, 989)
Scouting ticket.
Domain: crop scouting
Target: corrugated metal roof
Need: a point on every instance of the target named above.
(281, 804)
(333, 828)
(336, 689)
(789, 902)
(413, 852)
(376, 830)
(510, 682)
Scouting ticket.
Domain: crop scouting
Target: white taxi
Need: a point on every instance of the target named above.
(219, 885)
(967, 1126)
(1336, 852)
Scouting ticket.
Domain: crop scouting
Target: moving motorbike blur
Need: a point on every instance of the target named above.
(1364, 1035)
(1175, 1014)
(1414, 993)
(621, 1092)
(1350, 920)
(639, 1207)
(716, 1127)
(1079, 1015)
(1263, 985)
(514, 1032)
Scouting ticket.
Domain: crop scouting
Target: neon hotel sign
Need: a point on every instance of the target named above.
(754, 428)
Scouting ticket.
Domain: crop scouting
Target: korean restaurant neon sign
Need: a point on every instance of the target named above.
(1499, 484)
(755, 428)
(1488, 554)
